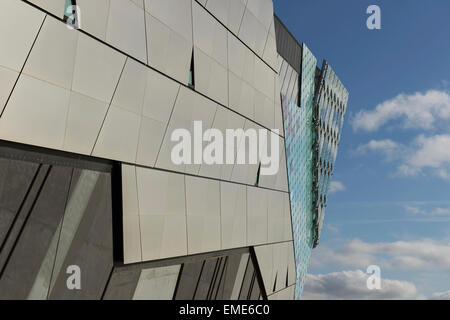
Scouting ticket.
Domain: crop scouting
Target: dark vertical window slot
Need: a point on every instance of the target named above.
(258, 174)
(275, 283)
(287, 277)
(192, 72)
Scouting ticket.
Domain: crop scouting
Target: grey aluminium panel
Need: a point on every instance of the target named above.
(287, 46)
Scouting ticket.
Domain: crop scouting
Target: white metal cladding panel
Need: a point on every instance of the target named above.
(176, 14)
(36, 114)
(189, 107)
(229, 12)
(210, 55)
(135, 98)
(241, 60)
(264, 110)
(278, 113)
(285, 294)
(169, 36)
(121, 23)
(280, 265)
(257, 219)
(150, 136)
(223, 120)
(279, 180)
(168, 46)
(8, 78)
(251, 21)
(126, 28)
(53, 56)
(130, 91)
(140, 3)
(162, 211)
(94, 15)
(270, 51)
(176, 215)
(233, 215)
(264, 255)
(209, 35)
(292, 277)
(241, 96)
(145, 99)
(53, 6)
(264, 78)
(241, 77)
(131, 221)
(157, 283)
(245, 173)
(160, 95)
(277, 265)
(282, 178)
(275, 216)
(211, 77)
(279, 218)
(262, 10)
(87, 113)
(287, 218)
(17, 35)
(253, 33)
(168, 50)
(97, 69)
(251, 84)
(118, 138)
(203, 215)
(123, 106)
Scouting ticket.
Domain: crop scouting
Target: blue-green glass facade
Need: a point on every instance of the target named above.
(314, 104)
(298, 124)
(331, 104)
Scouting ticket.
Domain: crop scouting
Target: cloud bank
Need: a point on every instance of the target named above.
(413, 255)
(336, 186)
(351, 285)
(418, 110)
(424, 153)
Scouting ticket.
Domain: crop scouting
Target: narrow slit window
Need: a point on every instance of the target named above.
(71, 14)
(275, 283)
(258, 174)
(191, 72)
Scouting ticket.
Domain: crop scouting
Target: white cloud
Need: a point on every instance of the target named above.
(333, 229)
(442, 211)
(437, 211)
(441, 296)
(414, 210)
(418, 110)
(390, 148)
(378, 145)
(351, 285)
(413, 255)
(336, 186)
(430, 152)
(424, 153)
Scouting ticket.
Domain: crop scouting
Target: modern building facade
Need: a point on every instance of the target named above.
(92, 206)
(314, 104)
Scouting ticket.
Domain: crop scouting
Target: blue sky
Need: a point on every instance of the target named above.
(393, 207)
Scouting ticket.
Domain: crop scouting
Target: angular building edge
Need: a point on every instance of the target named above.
(84, 122)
